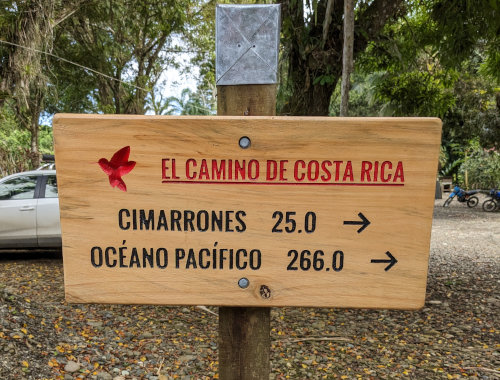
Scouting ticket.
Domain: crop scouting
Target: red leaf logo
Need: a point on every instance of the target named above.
(117, 167)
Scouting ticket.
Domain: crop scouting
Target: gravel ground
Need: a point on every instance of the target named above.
(456, 335)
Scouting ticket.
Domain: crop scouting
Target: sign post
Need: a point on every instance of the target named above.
(247, 43)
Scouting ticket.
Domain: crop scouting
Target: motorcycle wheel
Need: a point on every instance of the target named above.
(447, 202)
(472, 202)
(489, 205)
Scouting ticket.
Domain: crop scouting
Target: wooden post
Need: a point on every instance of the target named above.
(244, 332)
(247, 45)
(244, 343)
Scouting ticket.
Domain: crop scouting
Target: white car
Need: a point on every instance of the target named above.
(29, 210)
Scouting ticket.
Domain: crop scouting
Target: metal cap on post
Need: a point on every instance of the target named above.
(247, 44)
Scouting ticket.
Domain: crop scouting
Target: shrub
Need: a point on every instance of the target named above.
(482, 168)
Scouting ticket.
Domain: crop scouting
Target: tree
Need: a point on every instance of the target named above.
(14, 143)
(480, 168)
(124, 44)
(190, 103)
(159, 104)
(26, 29)
(474, 114)
(199, 39)
(313, 51)
(388, 34)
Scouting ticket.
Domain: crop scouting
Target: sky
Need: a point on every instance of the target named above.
(176, 80)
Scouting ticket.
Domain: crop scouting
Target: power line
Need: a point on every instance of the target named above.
(72, 63)
(95, 71)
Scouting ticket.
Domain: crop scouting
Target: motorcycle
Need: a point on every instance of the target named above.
(463, 196)
(493, 202)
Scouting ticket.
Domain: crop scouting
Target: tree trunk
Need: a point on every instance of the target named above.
(34, 152)
(312, 88)
(347, 56)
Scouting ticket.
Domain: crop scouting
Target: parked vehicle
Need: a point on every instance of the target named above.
(29, 210)
(492, 203)
(463, 196)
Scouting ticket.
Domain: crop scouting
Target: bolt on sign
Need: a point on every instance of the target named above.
(246, 211)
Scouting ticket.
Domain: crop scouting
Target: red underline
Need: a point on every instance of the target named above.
(287, 183)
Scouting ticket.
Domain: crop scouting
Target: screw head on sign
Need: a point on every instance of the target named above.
(243, 283)
(245, 142)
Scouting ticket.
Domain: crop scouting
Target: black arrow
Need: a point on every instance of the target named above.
(391, 261)
(363, 222)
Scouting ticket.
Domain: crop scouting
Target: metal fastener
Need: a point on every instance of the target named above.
(243, 283)
(245, 142)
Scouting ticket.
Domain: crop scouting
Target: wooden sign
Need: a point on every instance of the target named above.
(246, 211)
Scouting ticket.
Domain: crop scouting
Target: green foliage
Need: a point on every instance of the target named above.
(475, 113)
(491, 65)
(188, 103)
(13, 159)
(46, 140)
(428, 49)
(482, 168)
(450, 169)
(414, 93)
(125, 45)
(26, 30)
(459, 26)
(474, 116)
(362, 98)
(15, 143)
(440, 59)
(15, 148)
(325, 79)
(200, 39)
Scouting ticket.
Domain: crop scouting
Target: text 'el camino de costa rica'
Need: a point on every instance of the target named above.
(283, 172)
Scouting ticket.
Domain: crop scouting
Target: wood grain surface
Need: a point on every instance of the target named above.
(314, 257)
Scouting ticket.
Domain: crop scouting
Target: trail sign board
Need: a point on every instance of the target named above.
(246, 211)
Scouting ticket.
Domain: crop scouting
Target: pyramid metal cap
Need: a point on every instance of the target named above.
(247, 43)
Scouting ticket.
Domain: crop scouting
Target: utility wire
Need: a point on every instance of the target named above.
(95, 71)
(72, 63)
